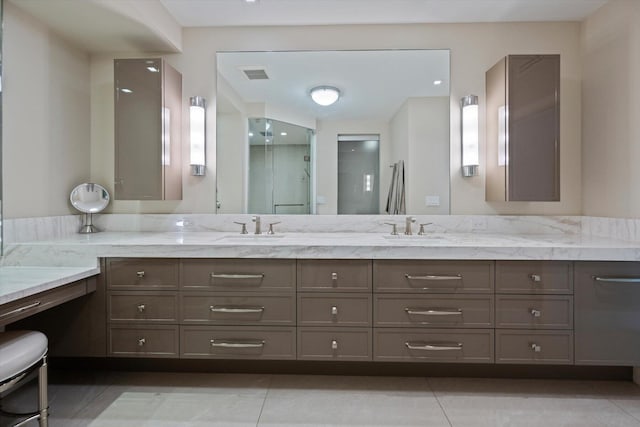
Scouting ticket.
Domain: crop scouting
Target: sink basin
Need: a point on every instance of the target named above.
(411, 237)
(252, 238)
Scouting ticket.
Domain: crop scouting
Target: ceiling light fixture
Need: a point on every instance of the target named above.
(325, 95)
(437, 82)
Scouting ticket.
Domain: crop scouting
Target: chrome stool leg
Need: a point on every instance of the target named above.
(43, 400)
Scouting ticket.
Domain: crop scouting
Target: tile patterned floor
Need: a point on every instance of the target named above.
(141, 399)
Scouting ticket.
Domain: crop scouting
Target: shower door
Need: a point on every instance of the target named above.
(358, 174)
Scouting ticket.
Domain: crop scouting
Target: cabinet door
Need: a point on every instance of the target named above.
(607, 313)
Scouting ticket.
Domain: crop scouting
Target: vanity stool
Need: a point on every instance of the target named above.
(21, 353)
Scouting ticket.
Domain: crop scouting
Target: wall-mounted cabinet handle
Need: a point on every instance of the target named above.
(141, 342)
(434, 277)
(334, 345)
(535, 313)
(20, 309)
(433, 346)
(434, 311)
(235, 309)
(334, 310)
(536, 348)
(140, 274)
(237, 276)
(613, 279)
(237, 344)
(535, 278)
(141, 308)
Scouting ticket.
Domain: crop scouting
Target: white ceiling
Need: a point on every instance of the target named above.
(204, 13)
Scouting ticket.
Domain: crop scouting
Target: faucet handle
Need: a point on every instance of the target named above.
(271, 224)
(244, 227)
(394, 230)
(421, 232)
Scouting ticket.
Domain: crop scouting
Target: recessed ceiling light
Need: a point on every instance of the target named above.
(437, 82)
(251, 1)
(325, 95)
(153, 69)
(283, 133)
(250, 133)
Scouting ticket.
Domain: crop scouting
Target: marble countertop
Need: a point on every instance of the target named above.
(83, 250)
(21, 282)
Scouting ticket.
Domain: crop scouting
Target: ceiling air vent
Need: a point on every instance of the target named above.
(256, 74)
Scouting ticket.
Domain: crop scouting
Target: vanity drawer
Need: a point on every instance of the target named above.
(334, 275)
(143, 341)
(553, 347)
(433, 276)
(225, 308)
(462, 311)
(534, 277)
(237, 342)
(445, 345)
(334, 344)
(141, 306)
(239, 275)
(334, 309)
(142, 273)
(534, 312)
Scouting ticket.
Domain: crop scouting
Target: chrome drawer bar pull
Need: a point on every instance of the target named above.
(433, 346)
(141, 342)
(536, 348)
(434, 311)
(536, 313)
(237, 344)
(334, 276)
(20, 309)
(141, 308)
(237, 276)
(434, 277)
(140, 274)
(334, 345)
(616, 279)
(535, 277)
(334, 310)
(235, 309)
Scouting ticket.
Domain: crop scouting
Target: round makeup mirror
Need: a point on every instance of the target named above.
(89, 198)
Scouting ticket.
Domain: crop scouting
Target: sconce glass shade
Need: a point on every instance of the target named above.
(197, 134)
(469, 133)
(325, 95)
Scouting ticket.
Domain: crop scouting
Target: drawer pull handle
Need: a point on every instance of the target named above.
(334, 310)
(237, 276)
(536, 348)
(235, 309)
(141, 342)
(237, 344)
(434, 277)
(20, 309)
(616, 279)
(334, 345)
(434, 311)
(141, 308)
(535, 278)
(140, 274)
(433, 346)
(535, 313)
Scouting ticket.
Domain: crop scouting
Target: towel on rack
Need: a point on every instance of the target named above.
(396, 197)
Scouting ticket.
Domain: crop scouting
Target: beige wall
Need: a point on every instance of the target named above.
(610, 42)
(45, 132)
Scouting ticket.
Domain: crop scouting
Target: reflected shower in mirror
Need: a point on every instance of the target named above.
(400, 96)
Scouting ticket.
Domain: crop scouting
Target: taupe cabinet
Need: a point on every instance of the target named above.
(514, 312)
(148, 127)
(523, 129)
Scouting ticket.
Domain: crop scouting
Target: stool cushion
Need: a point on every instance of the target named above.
(19, 350)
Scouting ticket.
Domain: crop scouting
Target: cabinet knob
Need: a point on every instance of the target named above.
(334, 345)
(141, 342)
(334, 310)
(536, 313)
(536, 348)
(140, 274)
(535, 278)
(334, 276)
(141, 308)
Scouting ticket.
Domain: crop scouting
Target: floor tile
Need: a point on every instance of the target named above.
(350, 401)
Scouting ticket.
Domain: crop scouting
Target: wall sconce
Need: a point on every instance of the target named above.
(469, 127)
(197, 135)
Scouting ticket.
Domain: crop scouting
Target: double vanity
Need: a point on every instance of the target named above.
(476, 298)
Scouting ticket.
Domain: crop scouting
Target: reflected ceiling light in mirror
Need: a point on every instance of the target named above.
(197, 134)
(283, 134)
(469, 135)
(437, 82)
(325, 95)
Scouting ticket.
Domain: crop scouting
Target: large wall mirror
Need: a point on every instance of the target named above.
(381, 147)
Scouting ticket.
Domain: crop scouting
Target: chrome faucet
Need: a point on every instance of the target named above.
(256, 219)
(407, 226)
